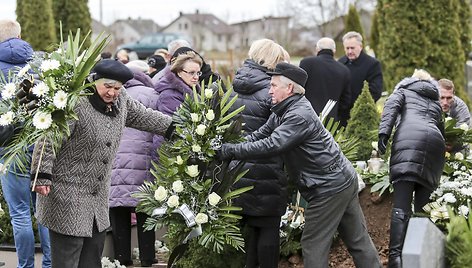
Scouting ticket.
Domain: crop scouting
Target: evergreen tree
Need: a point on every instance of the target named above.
(73, 14)
(364, 123)
(37, 23)
(374, 33)
(422, 34)
(352, 21)
(465, 28)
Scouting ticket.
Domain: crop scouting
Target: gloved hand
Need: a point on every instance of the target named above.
(170, 131)
(224, 153)
(26, 96)
(382, 144)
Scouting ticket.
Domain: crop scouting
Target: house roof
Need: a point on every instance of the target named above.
(142, 26)
(261, 19)
(209, 21)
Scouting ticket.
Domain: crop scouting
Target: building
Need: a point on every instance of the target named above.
(275, 28)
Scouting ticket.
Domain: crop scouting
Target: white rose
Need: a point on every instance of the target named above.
(214, 199)
(464, 126)
(201, 130)
(194, 117)
(459, 156)
(179, 160)
(201, 218)
(210, 115)
(196, 148)
(177, 186)
(173, 201)
(208, 93)
(192, 170)
(160, 194)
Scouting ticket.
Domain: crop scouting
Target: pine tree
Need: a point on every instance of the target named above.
(73, 15)
(352, 21)
(465, 28)
(374, 33)
(37, 23)
(422, 34)
(364, 123)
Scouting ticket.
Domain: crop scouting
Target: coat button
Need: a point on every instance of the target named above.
(108, 144)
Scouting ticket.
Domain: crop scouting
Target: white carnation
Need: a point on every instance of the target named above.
(173, 201)
(47, 65)
(200, 130)
(177, 186)
(40, 89)
(6, 118)
(192, 171)
(214, 199)
(9, 91)
(210, 115)
(201, 218)
(60, 99)
(42, 120)
(160, 194)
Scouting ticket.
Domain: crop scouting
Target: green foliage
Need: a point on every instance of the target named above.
(374, 33)
(364, 123)
(348, 145)
(459, 241)
(465, 28)
(73, 15)
(352, 21)
(380, 181)
(423, 34)
(37, 23)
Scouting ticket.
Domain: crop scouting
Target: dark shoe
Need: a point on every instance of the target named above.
(126, 263)
(398, 226)
(148, 263)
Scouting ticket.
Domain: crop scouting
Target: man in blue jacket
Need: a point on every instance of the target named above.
(14, 54)
(324, 176)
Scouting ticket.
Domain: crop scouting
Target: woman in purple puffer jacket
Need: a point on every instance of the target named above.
(130, 170)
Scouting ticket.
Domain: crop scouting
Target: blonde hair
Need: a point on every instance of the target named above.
(267, 53)
(9, 29)
(446, 84)
(297, 89)
(178, 62)
(422, 74)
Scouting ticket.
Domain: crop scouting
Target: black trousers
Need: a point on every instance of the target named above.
(262, 241)
(120, 218)
(403, 192)
(77, 252)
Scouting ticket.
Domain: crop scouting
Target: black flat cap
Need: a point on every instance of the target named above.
(292, 72)
(156, 62)
(112, 69)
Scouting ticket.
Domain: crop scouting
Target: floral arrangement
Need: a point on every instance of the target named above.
(456, 134)
(107, 263)
(291, 229)
(192, 192)
(454, 191)
(39, 99)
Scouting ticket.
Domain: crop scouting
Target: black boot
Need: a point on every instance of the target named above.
(398, 226)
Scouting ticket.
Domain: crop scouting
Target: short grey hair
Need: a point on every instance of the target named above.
(9, 29)
(326, 43)
(297, 89)
(176, 44)
(353, 34)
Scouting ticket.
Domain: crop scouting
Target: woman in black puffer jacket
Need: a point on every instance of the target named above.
(418, 150)
(266, 203)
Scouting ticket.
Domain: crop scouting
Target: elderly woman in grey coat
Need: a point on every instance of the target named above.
(418, 148)
(74, 182)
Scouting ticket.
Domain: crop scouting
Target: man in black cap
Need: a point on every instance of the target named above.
(74, 182)
(324, 176)
(156, 64)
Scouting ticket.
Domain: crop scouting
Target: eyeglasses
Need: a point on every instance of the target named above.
(193, 73)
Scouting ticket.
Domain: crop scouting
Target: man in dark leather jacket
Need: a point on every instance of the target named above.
(324, 176)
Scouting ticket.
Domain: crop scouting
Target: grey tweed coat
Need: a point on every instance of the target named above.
(79, 174)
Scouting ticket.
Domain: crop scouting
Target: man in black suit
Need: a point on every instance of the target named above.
(327, 79)
(362, 66)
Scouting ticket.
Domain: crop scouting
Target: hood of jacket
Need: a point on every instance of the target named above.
(250, 78)
(426, 88)
(139, 79)
(15, 51)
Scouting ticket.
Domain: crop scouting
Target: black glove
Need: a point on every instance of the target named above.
(26, 96)
(224, 153)
(170, 131)
(382, 144)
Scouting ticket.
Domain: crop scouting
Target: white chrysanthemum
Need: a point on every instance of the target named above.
(47, 65)
(200, 130)
(40, 89)
(208, 93)
(449, 198)
(194, 117)
(160, 194)
(6, 118)
(459, 156)
(60, 99)
(173, 201)
(196, 148)
(210, 115)
(464, 126)
(179, 160)
(9, 91)
(201, 218)
(214, 199)
(24, 70)
(463, 210)
(192, 170)
(42, 120)
(177, 186)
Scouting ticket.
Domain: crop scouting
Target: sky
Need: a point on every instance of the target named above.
(165, 11)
